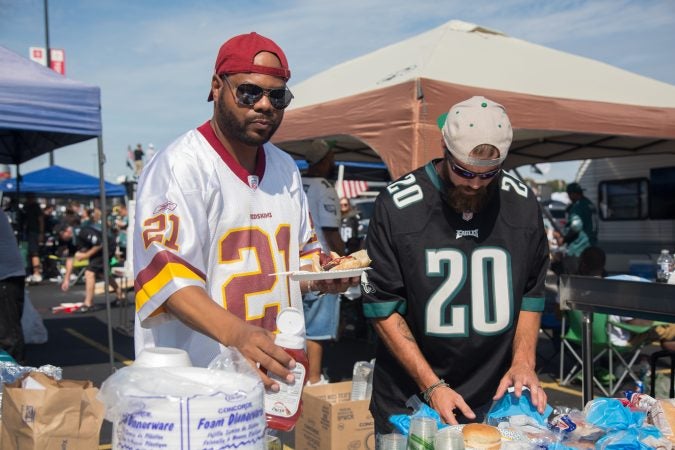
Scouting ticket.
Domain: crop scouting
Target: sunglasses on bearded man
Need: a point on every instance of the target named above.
(248, 94)
(469, 175)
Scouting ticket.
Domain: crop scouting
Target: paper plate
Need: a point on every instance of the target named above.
(302, 275)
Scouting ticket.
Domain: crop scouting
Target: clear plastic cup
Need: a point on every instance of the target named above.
(449, 439)
(422, 433)
(393, 441)
(272, 443)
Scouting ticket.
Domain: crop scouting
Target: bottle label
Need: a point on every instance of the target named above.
(285, 403)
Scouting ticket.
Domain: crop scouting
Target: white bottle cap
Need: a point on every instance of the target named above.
(291, 326)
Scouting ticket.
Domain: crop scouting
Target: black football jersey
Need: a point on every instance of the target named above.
(458, 280)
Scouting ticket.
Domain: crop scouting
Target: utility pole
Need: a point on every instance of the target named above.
(49, 60)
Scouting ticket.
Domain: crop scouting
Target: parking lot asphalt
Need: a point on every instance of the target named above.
(78, 343)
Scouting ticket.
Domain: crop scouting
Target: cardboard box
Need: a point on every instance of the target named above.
(331, 421)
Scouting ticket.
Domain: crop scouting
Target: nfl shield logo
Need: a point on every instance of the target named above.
(467, 215)
(253, 181)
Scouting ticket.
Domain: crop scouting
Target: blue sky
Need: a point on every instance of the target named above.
(153, 59)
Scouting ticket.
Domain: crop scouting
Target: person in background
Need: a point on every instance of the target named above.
(92, 218)
(322, 312)
(50, 220)
(459, 259)
(138, 160)
(88, 244)
(349, 226)
(34, 224)
(12, 288)
(72, 215)
(580, 232)
(121, 224)
(219, 213)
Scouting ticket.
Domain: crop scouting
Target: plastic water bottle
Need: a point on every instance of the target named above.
(362, 380)
(664, 266)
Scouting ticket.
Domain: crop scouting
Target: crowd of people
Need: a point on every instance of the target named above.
(458, 247)
(38, 226)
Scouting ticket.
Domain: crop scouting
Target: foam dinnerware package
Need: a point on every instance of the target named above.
(184, 407)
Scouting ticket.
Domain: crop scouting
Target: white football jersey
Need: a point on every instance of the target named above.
(324, 206)
(203, 220)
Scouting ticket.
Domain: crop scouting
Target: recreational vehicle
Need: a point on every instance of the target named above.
(635, 197)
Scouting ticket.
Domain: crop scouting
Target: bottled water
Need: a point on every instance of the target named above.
(362, 380)
(664, 266)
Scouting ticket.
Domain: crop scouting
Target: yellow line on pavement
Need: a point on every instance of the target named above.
(556, 387)
(105, 447)
(121, 358)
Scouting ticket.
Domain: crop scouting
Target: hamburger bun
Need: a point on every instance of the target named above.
(481, 436)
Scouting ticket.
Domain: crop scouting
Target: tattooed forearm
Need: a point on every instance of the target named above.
(405, 330)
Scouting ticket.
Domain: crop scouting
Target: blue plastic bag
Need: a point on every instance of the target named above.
(510, 405)
(402, 421)
(611, 414)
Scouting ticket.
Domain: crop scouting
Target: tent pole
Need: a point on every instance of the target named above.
(106, 253)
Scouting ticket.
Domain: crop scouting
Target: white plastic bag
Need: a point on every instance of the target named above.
(34, 330)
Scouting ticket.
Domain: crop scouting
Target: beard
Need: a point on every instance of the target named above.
(237, 128)
(464, 199)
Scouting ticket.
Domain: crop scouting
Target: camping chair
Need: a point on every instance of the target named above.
(551, 327)
(78, 267)
(602, 347)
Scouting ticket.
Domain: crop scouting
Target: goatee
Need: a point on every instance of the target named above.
(464, 199)
(231, 125)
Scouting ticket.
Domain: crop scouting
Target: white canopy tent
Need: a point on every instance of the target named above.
(562, 107)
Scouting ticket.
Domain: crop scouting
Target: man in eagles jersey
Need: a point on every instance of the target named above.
(219, 213)
(457, 282)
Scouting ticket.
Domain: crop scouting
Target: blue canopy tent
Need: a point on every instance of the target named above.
(40, 111)
(57, 181)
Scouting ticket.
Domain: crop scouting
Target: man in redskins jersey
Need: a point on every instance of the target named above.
(219, 213)
(457, 282)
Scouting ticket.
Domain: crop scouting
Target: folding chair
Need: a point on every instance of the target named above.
(78, 267)
(602, 347)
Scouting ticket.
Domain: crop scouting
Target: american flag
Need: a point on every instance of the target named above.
(352, 188)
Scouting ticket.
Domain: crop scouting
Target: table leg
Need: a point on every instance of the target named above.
(587, 357)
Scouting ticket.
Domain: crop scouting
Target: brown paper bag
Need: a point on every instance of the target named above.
(66, 415)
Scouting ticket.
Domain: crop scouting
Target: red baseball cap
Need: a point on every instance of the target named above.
(237, 54)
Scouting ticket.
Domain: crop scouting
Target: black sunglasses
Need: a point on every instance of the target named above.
(469, 175)
(248, 94)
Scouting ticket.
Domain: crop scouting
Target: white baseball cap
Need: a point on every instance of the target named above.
(473, 122)
(318, 151)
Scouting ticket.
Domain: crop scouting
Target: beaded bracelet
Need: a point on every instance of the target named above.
(428, 391)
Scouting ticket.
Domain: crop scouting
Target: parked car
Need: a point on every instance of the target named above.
(557, 209)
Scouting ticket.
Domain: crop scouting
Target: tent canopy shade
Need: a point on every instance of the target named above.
(562, 106)
(56, 181)
(40, 110)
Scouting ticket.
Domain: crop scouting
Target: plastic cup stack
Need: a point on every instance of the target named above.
(393, 441)
(449, 439)
(422, 433)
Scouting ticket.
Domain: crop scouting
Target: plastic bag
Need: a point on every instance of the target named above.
(511, 405)
(611, 414)
(187, 407)
(622, 440)
(34, 330)
(402, 421)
